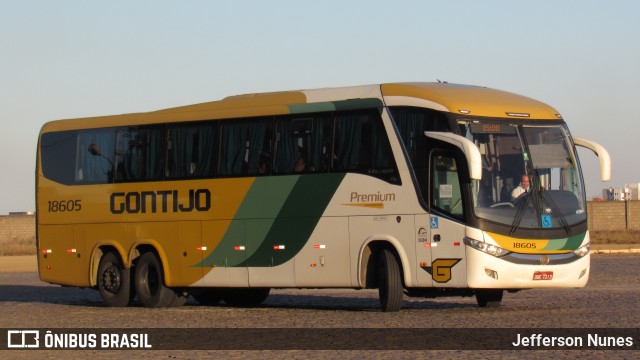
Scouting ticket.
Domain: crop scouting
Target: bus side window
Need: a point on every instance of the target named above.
(57, 151)
(245, 147)
(411, 124)
(302, 144)
(191, 151)
(361, 145)
(139, 153)
(95, 156)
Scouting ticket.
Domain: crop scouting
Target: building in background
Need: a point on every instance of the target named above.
(628, 192)
(633, 191)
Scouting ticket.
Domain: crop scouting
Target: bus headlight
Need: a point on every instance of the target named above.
(583, 250)
(486, 248)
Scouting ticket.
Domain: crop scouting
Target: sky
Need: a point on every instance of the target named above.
(67, 59)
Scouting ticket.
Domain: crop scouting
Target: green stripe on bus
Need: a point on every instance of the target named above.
(253, 220)
(298, 218)
(574, 242)
(344, 105)
(311, 108)
(277, 212)
(358, 104)
(570, 243)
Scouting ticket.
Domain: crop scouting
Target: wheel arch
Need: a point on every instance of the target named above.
(368, 255)
(146, 246)
(98, 252)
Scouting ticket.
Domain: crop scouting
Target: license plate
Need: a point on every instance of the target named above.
(543, 275)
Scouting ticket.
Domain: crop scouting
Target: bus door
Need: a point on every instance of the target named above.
(446, 220)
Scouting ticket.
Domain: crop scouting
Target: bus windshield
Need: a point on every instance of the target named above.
(530, 175)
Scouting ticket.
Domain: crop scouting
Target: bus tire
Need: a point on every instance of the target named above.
(114, 281)
(489, 299)
(245, 297)
(149, 283)
(389, 282)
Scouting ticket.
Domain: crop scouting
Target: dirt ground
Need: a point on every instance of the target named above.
(608, 301)
(23, 263)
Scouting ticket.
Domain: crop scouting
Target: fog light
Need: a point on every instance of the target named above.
(491, 273)
(583, 273)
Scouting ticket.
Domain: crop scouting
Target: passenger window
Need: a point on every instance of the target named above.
(361, 145)
(302, 144)
(57, 152)
(139, 154)
(96, 156)
(191, 151)
(245, 148)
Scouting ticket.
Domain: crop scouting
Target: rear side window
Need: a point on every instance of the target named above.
(99, 156)
(58, 156)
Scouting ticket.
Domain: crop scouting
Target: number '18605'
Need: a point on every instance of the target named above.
(64, 205)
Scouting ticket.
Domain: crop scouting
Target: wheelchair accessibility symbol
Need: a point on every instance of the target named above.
(434, 222)
(546, 221)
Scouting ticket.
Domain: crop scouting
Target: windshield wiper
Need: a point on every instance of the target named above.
(556, 211)
(522, 205)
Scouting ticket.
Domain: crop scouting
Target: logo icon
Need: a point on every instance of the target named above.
(21, 339)
(440, 269)
(434, 222)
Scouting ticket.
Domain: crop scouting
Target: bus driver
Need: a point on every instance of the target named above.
(525, 183)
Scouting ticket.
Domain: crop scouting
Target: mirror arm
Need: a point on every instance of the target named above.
(601, 153)
(470, 150)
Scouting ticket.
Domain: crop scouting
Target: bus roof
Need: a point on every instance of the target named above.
(470, 100)
(460, 99)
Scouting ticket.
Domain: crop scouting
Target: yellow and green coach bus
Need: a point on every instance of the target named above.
(409, 188)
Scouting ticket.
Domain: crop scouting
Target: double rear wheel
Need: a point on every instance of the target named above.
(150, 287)
(114, 281)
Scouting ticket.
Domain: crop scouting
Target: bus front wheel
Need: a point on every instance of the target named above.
(149, 283)
(114, 281)
(389, 282)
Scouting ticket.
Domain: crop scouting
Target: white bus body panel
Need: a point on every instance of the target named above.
(516, 276)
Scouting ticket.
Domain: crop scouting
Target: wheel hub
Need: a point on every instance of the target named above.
(111, 279)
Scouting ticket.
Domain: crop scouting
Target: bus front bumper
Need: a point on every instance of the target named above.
(526, 271)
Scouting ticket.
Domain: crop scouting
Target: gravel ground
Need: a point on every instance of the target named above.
(608, 301)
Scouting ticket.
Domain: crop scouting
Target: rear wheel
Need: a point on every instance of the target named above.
(149, 284)
(489, 299)
(245, 297)
(114, 281)
(389, 282)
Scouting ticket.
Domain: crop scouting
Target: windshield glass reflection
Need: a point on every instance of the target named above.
(530, 176)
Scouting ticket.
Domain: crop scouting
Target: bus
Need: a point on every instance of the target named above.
(401, 187)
